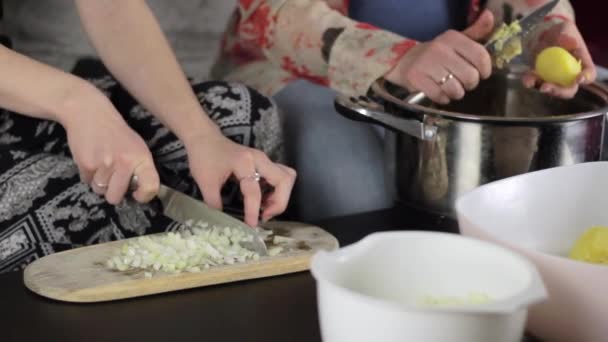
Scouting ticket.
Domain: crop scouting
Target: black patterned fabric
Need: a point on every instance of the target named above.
(4, 40)
(44, 208)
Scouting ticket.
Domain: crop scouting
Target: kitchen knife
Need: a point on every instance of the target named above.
(182, 208)
(529, 22)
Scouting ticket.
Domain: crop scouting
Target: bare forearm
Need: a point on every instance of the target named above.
(37, 90)
(132, 45)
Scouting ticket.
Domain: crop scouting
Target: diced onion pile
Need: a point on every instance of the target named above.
(471, 299)
(192, 249)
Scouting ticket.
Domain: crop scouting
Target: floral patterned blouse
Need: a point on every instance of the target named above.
(270, 43)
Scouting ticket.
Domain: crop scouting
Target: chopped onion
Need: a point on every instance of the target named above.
(263, 233)
(275, 250)
(192, 249)
(277, 239)
(474, 298)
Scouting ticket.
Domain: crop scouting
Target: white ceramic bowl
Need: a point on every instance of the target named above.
(371, 290)
(540, 215)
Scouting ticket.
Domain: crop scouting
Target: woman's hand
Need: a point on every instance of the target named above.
(566, 35)
(107, 151)
(214, 158)
(427, 66)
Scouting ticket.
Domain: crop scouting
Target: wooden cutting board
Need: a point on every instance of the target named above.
(80, 275)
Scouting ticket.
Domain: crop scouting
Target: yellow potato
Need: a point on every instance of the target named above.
(592, 246)
(557, 65)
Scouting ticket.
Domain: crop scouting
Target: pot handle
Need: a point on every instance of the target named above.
(362, 109)
(600, 89)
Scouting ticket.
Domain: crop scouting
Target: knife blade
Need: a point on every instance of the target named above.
(528, 22)
(182, 208)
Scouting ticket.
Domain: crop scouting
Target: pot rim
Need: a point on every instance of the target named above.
(411, 103)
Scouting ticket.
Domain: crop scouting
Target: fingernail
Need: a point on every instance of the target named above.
(582, 79)
(587, 76)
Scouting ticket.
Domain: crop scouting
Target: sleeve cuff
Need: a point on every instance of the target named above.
(361, 55)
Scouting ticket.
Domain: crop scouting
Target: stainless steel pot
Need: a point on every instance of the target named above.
(501, 129)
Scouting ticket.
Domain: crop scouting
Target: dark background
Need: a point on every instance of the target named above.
(592, 20)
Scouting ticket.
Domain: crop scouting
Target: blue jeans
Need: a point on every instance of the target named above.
(340, 162)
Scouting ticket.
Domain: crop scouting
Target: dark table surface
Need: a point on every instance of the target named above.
(274, 309)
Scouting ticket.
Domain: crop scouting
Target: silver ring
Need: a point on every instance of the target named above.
(134, 183)
(254, 177)
(447, 77)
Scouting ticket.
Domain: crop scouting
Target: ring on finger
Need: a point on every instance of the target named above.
(254, 177)
(445, 79)
(133, 183)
